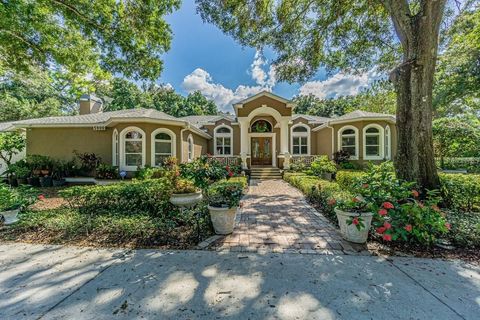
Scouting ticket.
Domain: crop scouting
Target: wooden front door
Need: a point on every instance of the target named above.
(261, 151)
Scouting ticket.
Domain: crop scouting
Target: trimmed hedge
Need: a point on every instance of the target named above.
(461, 191)
(320, 192)
(145, 196)
(346, 179)
(472, 165)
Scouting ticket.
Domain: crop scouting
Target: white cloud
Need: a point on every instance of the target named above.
(259, 75)
(340, 84)
(201, 80)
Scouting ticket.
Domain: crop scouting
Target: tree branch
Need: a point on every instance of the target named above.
(400, 13)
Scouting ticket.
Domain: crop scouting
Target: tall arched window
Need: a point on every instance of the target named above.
(348, 141)
(132, 143)
(373, 142)
(190, 148)
(115, 149)
(223, 140)
(300, 139)
(163, 146)
(388, 143)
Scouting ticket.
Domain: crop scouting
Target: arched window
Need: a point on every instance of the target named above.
(190, 148)
(115, 149)
(223, 140)
(348, 141)
(388, 143)
(373, 142)
(261, 126)
(132, 143)
(163, 146)
(300, 140)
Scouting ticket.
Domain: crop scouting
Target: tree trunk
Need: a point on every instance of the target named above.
(413, 82)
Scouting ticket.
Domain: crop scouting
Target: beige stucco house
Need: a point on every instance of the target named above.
(264, 131)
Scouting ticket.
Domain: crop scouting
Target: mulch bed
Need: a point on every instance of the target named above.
(51, 201)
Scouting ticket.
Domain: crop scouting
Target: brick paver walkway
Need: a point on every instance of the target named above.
(275, 217)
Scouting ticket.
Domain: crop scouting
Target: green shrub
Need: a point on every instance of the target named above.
(225, 193)
(146, 196)
(465, 228)
(18, 198)
(322, 164)
(184, 186)
(204, 171)
(472, 165)
(346, 179)
(242, 180)
(321, 193)
(461, 191)
(106, 171)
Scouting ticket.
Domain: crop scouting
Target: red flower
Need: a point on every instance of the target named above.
(387, 205)
(387, 237)
(355, 221)
(381, 230)
(332, 202)
(382, 212)
(448, 225)
(355, 199)
(408, 227)
(230, 174)
(387, 225)
(420, 204)
(228, 168)
(365, 185)
(41, 197)
(415, 193)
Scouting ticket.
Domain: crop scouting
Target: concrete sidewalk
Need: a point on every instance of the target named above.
(55, 282)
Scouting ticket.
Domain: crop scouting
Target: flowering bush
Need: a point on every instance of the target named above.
(225, 194)
(399, 214)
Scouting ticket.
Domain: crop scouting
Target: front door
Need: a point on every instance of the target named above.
(261, 151)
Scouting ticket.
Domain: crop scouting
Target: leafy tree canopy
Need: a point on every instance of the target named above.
(457, 88)
(457, 137)
(86, 36)
(11, 143)
(380, 98)
(121, 94)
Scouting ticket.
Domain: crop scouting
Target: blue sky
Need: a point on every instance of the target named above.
(203, 58)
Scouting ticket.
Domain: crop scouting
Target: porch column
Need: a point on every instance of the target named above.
(243, 141)
(284, 136)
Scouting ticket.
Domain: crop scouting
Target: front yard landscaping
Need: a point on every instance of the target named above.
(441, 223)
(135, 213)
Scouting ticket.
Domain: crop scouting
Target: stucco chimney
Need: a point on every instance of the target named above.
(89, 103)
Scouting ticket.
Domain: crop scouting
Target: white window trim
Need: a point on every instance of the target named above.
(388, 141)
(173, 147)
(124, 132)
(190, 157)
(223, 135)
(339, 140)
(115, 148)
(381, 139)
(300, 134)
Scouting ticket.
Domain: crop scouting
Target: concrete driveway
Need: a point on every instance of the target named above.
(56, 282)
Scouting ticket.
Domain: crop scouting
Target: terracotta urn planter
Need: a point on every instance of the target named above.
(223, 219)
(349, 231)
(10, 216)
(186, 200)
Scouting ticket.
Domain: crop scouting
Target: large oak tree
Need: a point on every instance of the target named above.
(352, 35)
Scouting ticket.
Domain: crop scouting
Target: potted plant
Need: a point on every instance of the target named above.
(323, 167)
(22, 173)
(354, 218)
(58, 173)
(106, 172)
(223, 201)
(12, 201)
(185, 194)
